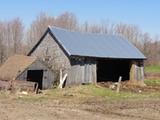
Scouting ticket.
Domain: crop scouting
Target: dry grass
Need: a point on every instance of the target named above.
(80, 102)
(80, 94)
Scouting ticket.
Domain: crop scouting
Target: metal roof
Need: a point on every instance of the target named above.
(95, 45)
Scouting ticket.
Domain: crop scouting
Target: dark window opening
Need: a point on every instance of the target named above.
(110, 70)
(35, 76)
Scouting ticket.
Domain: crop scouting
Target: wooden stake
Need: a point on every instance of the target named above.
(119, 84)
(36, 88)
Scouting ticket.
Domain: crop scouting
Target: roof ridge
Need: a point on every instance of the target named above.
(83, 33)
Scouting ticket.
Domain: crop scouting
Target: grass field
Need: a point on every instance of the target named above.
(152, 69)
(84, 92)
(152, 82)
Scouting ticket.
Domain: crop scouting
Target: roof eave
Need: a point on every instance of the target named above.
(144, 58)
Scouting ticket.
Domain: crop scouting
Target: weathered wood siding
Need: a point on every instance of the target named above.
(137, 71)
(48, 75)
(82, 71)
(50, 52)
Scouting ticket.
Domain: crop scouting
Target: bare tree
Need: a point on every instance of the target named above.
(38, 28)
(11, 35)
(17, 35)
(131, 32)
(67, 20)
(2, 50)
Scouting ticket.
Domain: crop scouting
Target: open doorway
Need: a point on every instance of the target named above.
(110, 70)
(35, 76)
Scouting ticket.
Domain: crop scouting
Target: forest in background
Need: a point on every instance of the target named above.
(15, 38)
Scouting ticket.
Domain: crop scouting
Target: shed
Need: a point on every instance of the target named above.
(20, 67)
(88, 57)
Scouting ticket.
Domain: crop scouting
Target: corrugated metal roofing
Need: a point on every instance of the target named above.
(96, 45)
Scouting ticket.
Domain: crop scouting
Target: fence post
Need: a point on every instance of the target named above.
(119, 84)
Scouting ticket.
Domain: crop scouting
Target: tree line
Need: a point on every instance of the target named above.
(15, 38)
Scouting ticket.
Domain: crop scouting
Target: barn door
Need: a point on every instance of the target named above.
(35, 76)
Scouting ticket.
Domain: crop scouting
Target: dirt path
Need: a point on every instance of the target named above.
(46, 110)
(93, 109)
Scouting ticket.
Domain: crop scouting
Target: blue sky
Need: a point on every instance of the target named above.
(144, 13)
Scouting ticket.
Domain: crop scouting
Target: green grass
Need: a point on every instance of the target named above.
(152, 69)
(84, 92)
(152, 82)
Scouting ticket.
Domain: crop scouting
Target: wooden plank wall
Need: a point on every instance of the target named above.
(90, 72)
(48, 75)
(137, 71)
(50, 52)
(82, 71)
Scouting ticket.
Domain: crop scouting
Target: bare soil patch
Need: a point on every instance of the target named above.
(152, 75)
(13, 108)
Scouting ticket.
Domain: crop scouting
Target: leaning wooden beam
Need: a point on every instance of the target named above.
(36, 88)
(62, 81)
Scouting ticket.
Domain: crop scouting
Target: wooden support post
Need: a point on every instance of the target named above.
(119, 84)
(62, 79)
(36, 88)
(11, 86)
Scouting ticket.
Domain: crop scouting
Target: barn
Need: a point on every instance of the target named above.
(20, 67)
(88, 57)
